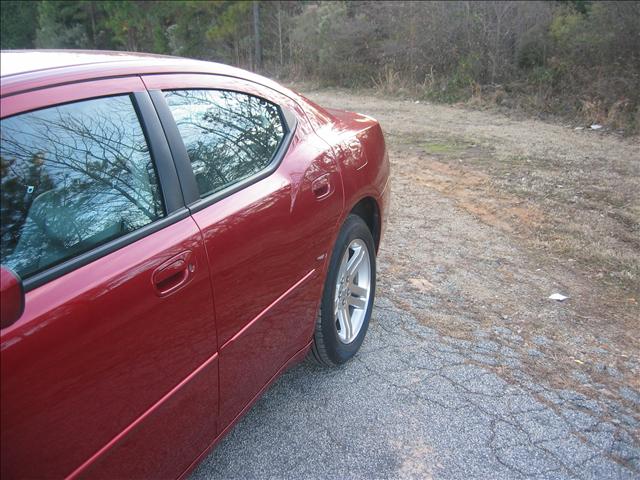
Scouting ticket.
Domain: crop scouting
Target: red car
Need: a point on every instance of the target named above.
(175, 234)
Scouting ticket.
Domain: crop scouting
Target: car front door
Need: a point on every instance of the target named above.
(266, 194)
(113, 363)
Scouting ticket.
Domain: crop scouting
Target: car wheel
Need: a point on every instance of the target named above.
(347, 298)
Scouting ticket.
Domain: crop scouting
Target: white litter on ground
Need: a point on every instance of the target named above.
(558, 296)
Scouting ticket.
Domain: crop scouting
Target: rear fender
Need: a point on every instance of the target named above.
(361, 155)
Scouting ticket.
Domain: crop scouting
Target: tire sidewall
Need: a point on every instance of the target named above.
(339, 352)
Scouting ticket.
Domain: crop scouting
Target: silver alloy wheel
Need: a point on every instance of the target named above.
(352, 292)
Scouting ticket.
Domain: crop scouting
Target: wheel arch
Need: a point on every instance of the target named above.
(368, 209)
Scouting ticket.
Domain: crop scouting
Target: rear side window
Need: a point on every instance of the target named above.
(73, 177)
(229, 136)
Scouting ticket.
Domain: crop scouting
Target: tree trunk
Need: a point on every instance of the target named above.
(256, 35)
(92, 12)
(280, 34)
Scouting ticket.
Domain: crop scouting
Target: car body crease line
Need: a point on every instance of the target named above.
(290, 290)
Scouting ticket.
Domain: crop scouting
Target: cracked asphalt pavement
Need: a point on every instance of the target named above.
(411, 405)
(468, 370)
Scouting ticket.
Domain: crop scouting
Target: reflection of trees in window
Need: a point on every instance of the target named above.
(229, 135)
(15, 202)
(73, 177)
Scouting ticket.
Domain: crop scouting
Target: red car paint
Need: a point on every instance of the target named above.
(111, 372)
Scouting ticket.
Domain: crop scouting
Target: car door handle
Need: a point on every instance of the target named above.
(173, 273)
(322, 187)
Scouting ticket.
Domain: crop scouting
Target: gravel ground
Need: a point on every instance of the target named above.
(468, 369)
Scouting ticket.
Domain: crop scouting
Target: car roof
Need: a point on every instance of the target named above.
(22, 70)
(16, 62)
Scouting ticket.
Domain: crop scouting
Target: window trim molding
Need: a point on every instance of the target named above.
(183, 163)
(159, 152)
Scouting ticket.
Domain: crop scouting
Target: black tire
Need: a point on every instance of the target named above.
(327, 348)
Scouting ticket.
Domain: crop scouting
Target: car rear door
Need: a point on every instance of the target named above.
(266, 193)
(112, 369)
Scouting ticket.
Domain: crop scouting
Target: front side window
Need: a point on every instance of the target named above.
(229, 135)
(73, 177)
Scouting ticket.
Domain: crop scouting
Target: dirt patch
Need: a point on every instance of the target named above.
(473, 191)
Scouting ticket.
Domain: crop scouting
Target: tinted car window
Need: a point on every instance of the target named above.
(229, 135)
(73, 177)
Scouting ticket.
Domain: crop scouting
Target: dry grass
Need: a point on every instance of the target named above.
(581, 208)
(573, 195)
